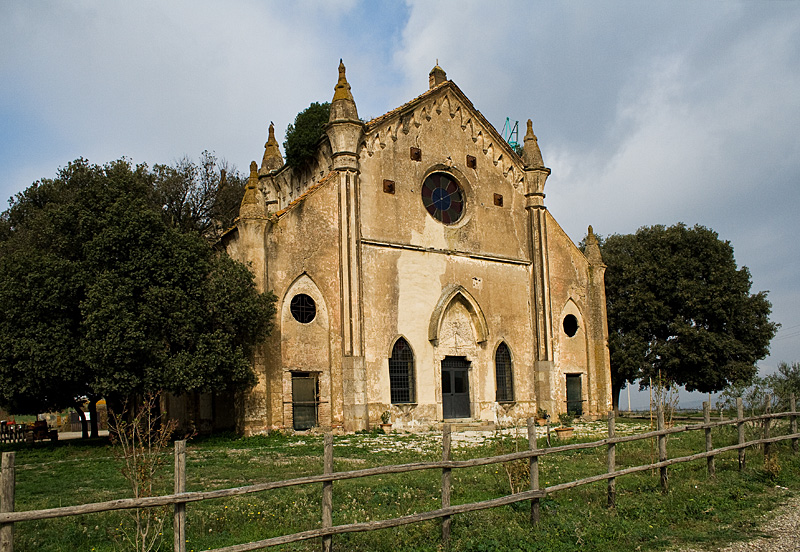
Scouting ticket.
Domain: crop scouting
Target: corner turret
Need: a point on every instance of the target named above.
(344, 127)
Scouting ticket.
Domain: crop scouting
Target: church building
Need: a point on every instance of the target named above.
(417, 273)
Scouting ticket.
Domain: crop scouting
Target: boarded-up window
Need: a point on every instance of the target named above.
(305, 400)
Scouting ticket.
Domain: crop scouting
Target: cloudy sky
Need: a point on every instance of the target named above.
(647, 112)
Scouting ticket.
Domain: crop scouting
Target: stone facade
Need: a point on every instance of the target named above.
(417, 272)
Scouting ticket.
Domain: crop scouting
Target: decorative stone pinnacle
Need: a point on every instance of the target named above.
(529, 135)
(343, 106)
(437, 76)
(272, 159)
(342, 89)
(531, 154)
(593, 248)
(250, 197)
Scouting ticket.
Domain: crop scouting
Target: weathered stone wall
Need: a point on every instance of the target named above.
(302, 248)
(585, 353)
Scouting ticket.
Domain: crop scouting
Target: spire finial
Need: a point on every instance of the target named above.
(531, 154)
(250, 197)
(529, 131)
(437, 76)
(342, 89)
(272, 159)
(592, 250)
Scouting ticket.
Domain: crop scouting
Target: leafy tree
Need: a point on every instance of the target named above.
(784, 382)
(202, 198)
(679, 306)
(302, 136)
(100, 297)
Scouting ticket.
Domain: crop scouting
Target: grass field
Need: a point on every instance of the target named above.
(696, 510)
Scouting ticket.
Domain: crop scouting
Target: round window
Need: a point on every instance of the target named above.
(443, 197)
(570, 325)
(303, 308)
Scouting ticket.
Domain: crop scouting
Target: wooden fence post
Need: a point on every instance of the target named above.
(446, 477)
(740, 429)
(7, 500)
(179, 513)
(612, 461)
(662, 447)
(709, 447)
(534, 470)
(793, 421)
(767, 410)
(327, 492)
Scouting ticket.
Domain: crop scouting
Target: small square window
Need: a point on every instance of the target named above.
(416, 154)
(472, 163)
(498, 200)
(388, 186)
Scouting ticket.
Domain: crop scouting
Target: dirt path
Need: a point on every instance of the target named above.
(781, 533)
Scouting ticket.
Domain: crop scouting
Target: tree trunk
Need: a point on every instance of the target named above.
(616, 388)
(84, 425)
(93, 424)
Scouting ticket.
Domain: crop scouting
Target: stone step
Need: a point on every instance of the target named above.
(468, 425)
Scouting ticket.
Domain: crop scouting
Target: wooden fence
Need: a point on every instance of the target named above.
(180, 498)
(12, 433)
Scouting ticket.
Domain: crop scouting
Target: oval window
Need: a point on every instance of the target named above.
(303, 308)
(570, 325)
(443, 197)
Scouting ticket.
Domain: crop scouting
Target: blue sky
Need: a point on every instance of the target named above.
(647, 112)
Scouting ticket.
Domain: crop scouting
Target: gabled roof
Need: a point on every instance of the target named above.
(497, 139)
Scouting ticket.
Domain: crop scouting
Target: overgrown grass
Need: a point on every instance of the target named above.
(697, 510)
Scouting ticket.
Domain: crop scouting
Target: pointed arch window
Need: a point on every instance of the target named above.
(401, 373)
(503, 374)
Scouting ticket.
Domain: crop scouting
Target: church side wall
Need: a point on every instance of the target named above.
(303, 253)
(586, 352)
(299, 253)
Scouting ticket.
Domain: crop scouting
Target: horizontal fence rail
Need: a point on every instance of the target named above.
(179, 499)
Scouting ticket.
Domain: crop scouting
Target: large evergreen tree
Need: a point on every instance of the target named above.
(101, 297)
(679, 307)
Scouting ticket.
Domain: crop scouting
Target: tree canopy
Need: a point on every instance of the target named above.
(202, 198)
(679, 306)
(302, 136)
(103, 294)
